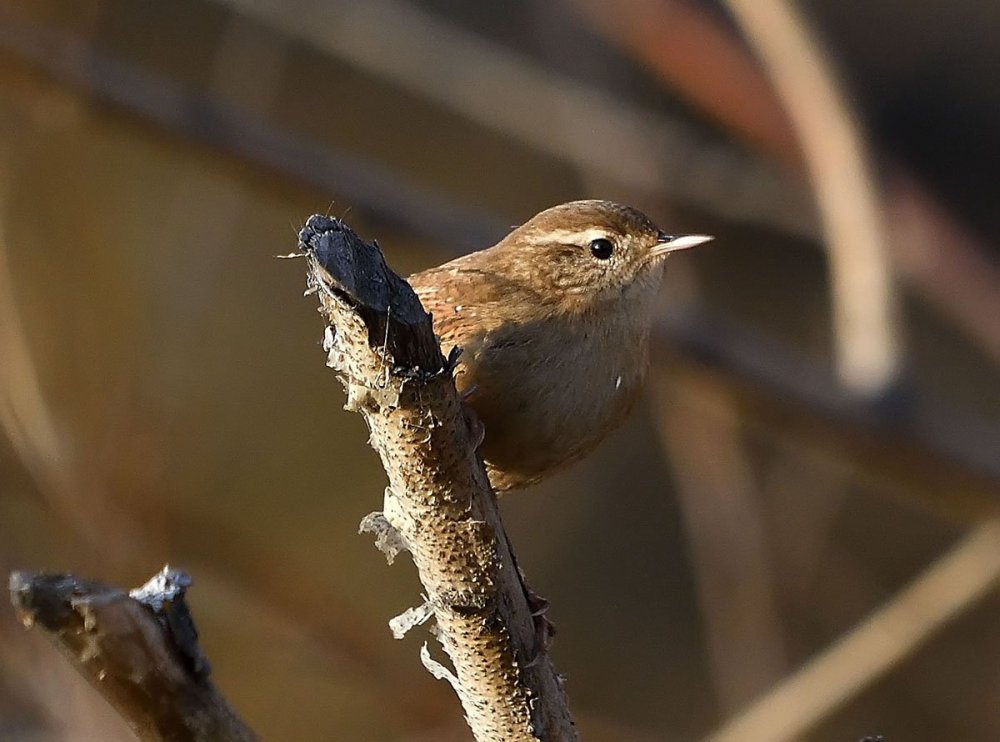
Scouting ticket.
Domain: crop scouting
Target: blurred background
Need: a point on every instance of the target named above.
(792, 538)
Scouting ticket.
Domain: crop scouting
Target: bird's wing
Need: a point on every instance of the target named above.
(467, 298)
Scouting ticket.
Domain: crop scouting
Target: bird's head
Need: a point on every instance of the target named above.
(588, 253)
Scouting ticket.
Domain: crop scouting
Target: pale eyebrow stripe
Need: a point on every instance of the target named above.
(573, 236)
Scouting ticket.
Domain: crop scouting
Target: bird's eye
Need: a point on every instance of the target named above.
(601, 248)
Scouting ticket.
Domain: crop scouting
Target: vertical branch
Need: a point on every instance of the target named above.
(25, 416)
(726, 537)
(438, 505)
(865, 303)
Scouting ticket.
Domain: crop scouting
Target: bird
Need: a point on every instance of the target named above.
(553, 326)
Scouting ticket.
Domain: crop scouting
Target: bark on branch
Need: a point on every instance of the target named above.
(139, 650)
(439, 505)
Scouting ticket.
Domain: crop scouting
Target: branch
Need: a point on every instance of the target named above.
(865, 301)
(439, 505)
(139, 650)
(950, 587)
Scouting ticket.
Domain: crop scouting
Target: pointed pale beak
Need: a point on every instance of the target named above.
(669, 243)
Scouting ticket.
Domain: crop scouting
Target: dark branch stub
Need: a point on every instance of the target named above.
(356, 272)
(163, 594)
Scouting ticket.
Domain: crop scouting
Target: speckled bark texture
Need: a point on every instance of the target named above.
(138, 649)
(438, 504)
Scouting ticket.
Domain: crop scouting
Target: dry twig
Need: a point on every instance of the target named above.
(865, 306)
(719, 500)
(947, 589)
(138, 649)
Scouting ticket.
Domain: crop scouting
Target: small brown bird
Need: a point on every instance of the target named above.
(553, 322)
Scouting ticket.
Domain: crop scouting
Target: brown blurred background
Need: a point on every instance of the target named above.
(792, 538)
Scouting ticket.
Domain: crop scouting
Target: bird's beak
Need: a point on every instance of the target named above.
(669, 243)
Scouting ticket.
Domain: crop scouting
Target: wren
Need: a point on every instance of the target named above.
(553, 323)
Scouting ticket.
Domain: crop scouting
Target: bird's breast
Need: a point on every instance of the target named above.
(549, 391)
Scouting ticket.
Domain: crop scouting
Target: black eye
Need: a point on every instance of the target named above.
(601, 248)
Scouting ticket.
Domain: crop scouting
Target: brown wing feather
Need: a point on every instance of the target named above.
(469, 299)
